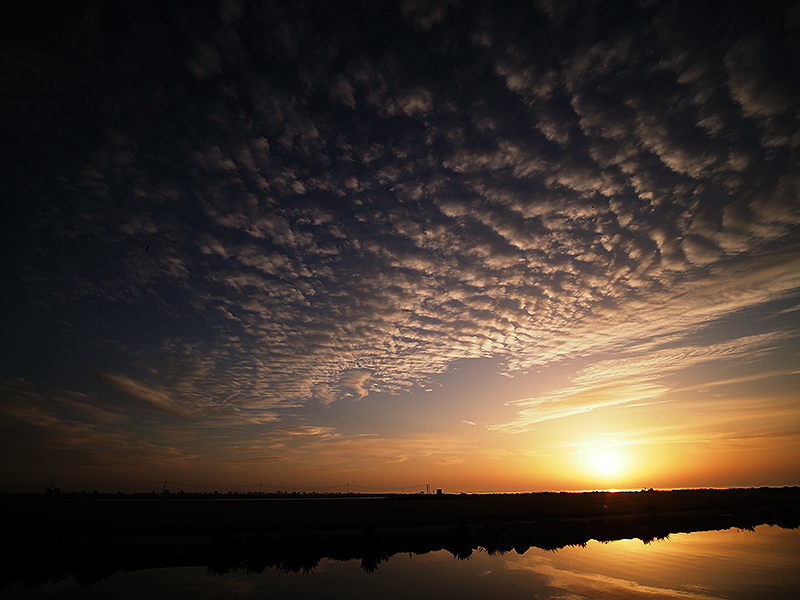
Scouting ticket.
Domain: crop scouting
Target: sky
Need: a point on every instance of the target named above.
(373, 245)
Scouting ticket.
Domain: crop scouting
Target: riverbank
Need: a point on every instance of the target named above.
(37, 516)
(92, 539)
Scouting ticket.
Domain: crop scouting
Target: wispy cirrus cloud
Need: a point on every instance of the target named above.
(572, 401)
(74, 438)
(638, 377)
(144, 396)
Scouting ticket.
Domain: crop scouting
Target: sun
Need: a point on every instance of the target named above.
(606, 464)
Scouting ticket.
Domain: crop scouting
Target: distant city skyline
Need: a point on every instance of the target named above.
(486, 246)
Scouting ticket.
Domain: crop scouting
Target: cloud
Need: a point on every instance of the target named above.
(324, 393)
(366, 453)
(656, 363)
(144, 396)
(306, 431)
(340, 203)
(423, 14)
(577, 400)
(66, 434)
(752, 78)
(656, 437)
(636, 378)
(204, 62)
(353, 383)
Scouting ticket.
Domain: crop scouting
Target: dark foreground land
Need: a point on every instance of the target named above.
(92, 537)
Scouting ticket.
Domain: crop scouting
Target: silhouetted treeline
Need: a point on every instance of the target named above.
(189, 514)
(495, 523)
(55, 493)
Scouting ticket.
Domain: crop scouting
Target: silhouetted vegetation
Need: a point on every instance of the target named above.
(91, 537)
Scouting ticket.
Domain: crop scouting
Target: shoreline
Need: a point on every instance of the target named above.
(90, 559)
(175, 514)
(128, 535)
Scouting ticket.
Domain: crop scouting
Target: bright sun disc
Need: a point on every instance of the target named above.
(606, 464)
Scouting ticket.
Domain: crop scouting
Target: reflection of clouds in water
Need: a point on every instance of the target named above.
(730, 564)
(708, 564)
(594, 585)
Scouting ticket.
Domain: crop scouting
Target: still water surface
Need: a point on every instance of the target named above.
(732, 564)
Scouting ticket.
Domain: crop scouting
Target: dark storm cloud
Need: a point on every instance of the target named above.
(314, 201)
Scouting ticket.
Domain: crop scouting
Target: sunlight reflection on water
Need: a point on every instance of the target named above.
(732, 564)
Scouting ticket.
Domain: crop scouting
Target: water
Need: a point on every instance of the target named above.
(729, 564)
